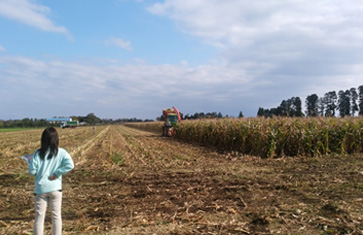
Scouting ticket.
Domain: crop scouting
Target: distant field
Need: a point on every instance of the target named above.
(15, 129)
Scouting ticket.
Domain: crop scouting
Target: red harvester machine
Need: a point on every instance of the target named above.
(171, 117)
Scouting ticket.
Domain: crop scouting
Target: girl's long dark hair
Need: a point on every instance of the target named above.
(49, 140)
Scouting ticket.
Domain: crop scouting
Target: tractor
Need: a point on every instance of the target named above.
(171, 116)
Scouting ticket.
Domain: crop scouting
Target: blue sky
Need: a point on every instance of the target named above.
(132, 58)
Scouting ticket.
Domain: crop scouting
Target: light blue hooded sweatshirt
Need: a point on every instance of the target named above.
(43, 169)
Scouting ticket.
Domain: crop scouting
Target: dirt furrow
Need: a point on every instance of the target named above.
(78, 152)
(125, 145)
(164, 151)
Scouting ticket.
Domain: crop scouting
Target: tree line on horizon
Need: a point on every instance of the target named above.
(346, 103)
(89, 119)
(92, 119)
(343, 103)
(202, 115)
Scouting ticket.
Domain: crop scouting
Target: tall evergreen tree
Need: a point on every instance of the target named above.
(311, 103)
(344, 103)
(321, 106)
(360, 98)
(284, 107)
(240, 114)
(296, 102)
(353, 100)
(289, 107)
(261, 112)
(330, 99)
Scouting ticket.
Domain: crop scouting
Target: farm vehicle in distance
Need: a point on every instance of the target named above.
(171, 116)
(69, 124)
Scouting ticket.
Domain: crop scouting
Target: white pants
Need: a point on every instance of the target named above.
(55, 201)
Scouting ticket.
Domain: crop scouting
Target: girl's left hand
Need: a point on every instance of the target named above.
(53, 177)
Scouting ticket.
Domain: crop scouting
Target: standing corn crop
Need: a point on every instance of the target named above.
(277, 136)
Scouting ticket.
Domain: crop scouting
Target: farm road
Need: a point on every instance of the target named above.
(127, 181)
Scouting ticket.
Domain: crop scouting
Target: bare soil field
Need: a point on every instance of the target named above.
(128, 181)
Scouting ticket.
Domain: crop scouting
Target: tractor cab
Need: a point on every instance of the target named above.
(171, 117)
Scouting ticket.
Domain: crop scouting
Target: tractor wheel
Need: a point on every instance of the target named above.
(165, 131)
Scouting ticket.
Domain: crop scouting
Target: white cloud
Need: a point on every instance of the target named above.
(2, 49)
(241, 22)
(273, 31)
(32, 14)
(294, 48)
(84, 88)
(142, 90)
(139, 60)
(184, 62)
(119, 42)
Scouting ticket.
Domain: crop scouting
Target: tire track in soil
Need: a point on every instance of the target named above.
(154, 186)
(163, 152)
(90, 184)
(124, 145)
(79, 153)
(181, 183)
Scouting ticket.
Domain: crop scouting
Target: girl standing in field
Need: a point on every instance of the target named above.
(48, 164)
